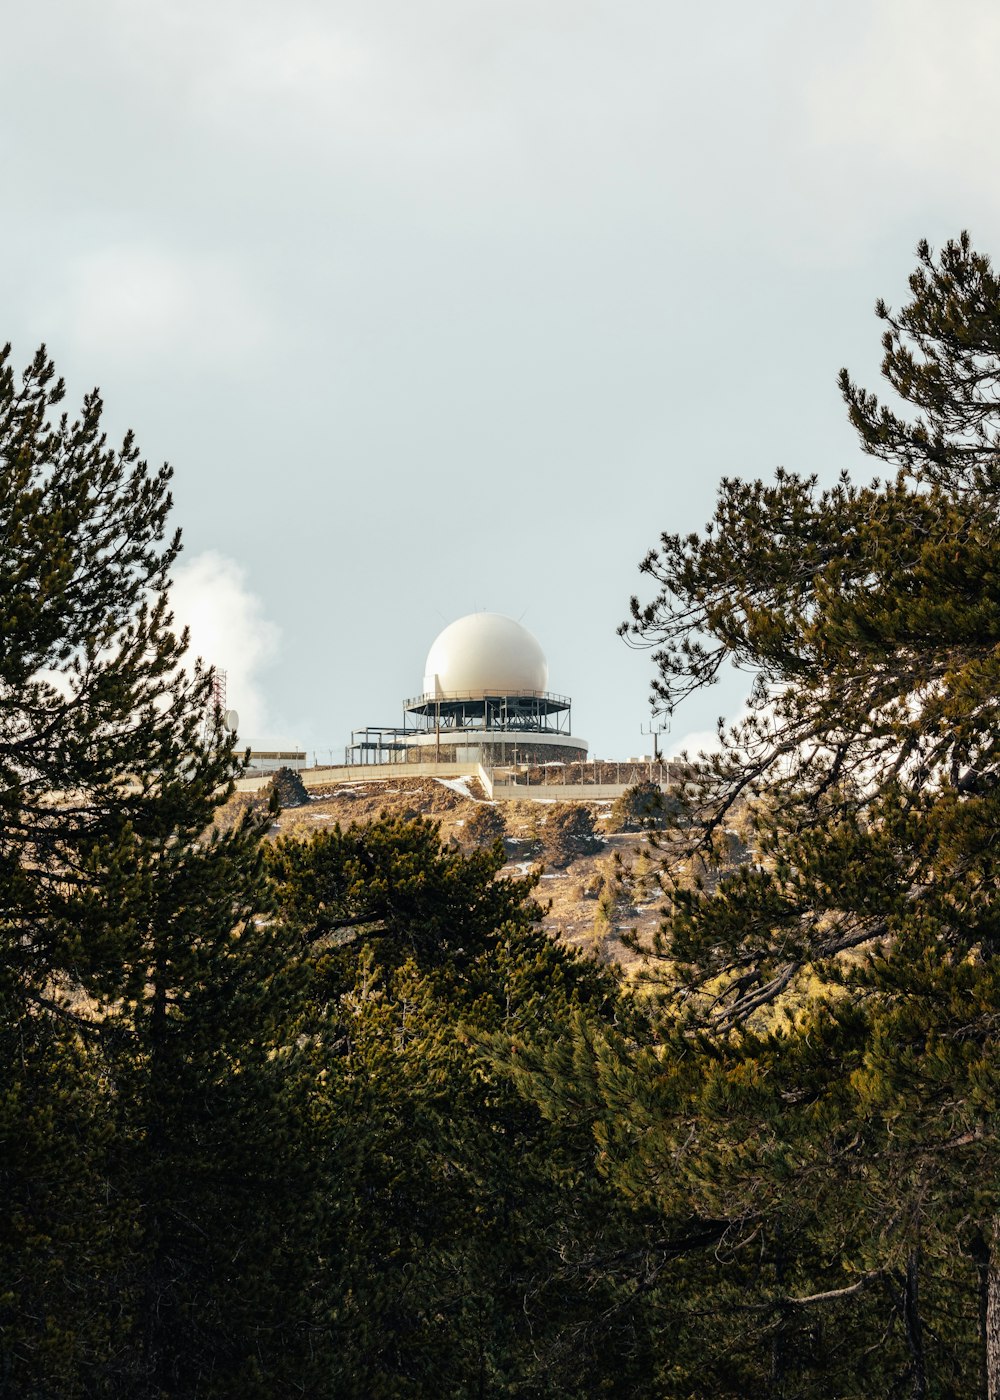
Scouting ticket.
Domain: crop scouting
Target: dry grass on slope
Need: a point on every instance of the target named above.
(592, 892)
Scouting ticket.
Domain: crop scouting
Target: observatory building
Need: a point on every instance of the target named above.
(485, 699)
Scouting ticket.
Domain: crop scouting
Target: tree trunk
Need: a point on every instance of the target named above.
(776, 1379)
(986, 1252)
(914, 1331)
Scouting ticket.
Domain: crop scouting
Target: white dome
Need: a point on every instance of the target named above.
(485, 653)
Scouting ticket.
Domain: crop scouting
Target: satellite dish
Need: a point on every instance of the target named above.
(231, 721)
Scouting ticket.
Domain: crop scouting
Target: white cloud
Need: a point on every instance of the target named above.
(699, 741)
(305, 64)
(229, 631)
(140, 301)
(247, 66)
(921, 84)
(912, 102)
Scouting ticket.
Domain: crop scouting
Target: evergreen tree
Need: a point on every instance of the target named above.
(568, 832)
(462, 1255)
(484, 825)
(133, 967)
(95, 705)
(826, 1083)
(63, 1239)
(641, 807)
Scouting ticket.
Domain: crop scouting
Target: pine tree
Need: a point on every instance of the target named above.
(63, 1240)
(826, 1078)
(461, 1256)
(142, 1000)
(94, 703)
(484, 825)
(568, 832)
(641, 807)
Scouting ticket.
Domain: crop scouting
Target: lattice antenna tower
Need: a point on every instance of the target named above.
(216, 704)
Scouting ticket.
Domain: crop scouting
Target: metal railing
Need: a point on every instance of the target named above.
(449, 696)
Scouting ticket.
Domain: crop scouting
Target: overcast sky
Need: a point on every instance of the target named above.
(446, 305)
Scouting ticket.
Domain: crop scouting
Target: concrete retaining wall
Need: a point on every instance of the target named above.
(558, 792)
(497, 789)
(366, 772)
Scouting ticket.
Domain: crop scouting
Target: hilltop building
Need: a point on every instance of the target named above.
(485, 699)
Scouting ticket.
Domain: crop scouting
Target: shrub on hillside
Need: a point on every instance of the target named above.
(642, 807)
(289, 787)
(484, 825)
(568, 832)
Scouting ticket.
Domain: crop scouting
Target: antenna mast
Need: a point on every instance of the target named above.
(656, 729)
(216, 704)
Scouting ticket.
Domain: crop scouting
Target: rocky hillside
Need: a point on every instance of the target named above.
(597, 882)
